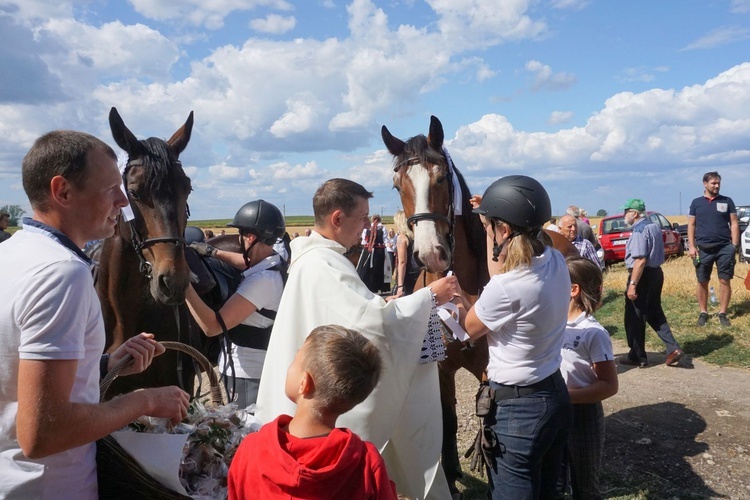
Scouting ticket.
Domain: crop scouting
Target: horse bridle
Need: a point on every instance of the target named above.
(139, 244)
(449, 219)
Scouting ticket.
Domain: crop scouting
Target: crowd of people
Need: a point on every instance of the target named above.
(344, 375)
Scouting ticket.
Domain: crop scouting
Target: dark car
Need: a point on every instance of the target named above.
(614, 233)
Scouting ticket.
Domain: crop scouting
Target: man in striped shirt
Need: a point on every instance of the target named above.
(569, 229)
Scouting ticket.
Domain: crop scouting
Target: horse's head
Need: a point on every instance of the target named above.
(422, 178)
(158, 189)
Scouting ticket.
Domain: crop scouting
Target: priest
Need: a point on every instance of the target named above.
(402, 416)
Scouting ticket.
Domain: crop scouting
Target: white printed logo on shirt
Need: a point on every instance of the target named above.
(722, 207)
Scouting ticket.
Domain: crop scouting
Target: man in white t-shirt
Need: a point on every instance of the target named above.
(51, 328)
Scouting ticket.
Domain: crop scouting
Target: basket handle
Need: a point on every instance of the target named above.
(215, 389)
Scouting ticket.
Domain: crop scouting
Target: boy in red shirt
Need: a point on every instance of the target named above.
(306, 456)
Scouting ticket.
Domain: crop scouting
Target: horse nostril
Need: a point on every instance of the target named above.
(443, 254)
(165, 284)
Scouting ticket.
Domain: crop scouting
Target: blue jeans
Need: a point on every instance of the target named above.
(531, 433)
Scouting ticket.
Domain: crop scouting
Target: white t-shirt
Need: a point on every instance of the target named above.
(48, 310)
(526, 310)
(263, 289)
(586, 342)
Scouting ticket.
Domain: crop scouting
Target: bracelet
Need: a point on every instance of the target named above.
(103, 365)
(633, 283)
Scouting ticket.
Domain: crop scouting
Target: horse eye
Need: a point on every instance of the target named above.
(133, 195)
(441, 179)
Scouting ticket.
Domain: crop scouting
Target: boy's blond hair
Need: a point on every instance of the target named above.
(344, 365)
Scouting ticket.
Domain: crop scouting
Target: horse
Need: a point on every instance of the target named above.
(143, 275)
(445, 238)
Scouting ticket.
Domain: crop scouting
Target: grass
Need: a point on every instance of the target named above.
(712, 343)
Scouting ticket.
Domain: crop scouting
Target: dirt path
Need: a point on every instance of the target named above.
(672, 432)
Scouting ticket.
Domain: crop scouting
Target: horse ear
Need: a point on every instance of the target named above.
(122, 135)
(180, 139)
(394, 145)
(436, 135)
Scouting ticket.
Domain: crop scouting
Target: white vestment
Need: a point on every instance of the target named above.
(402, 416)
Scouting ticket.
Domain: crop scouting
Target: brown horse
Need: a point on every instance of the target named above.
(143, 274)
(445, 240)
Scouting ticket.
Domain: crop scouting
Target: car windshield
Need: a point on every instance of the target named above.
(616, 225)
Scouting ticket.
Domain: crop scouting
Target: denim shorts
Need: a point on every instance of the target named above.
(723, 256)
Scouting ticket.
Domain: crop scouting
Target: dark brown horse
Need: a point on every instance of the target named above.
(445, 240)
(143, 274)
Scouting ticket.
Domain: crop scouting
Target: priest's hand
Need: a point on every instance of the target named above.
(444, 288)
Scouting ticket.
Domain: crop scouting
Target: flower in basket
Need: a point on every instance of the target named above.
(211, 436)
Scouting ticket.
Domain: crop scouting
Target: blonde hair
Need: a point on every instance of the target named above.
(399, 219)
(523, 247)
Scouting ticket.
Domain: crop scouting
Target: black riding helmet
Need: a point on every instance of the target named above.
(194, 235)
(518, 200)
(262, 219)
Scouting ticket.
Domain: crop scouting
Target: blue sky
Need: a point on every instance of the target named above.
(600, 101)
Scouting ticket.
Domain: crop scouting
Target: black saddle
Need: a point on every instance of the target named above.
(214, 280)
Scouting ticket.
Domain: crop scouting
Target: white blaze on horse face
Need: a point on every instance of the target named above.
(430, 247)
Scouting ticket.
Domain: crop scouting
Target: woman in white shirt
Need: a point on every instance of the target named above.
(523, 311)
(247, 316)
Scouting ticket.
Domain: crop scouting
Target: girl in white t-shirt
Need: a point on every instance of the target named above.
(591, 376)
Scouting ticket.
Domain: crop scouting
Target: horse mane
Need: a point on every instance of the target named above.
(160, 176)
(474, 229)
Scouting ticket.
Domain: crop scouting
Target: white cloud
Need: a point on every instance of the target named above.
(558, 117)
(287, 171)
(113, 49)
(37, 9)
(274, 24)
(225, 172)
(479, 23)
(570, 4)
(300, 117)
(546, 79)
(701, 124)
(208, 13)
(719, 37)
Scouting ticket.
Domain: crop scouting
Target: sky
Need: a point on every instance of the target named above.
(600, 101)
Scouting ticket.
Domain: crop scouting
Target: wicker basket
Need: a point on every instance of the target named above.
(118, 473)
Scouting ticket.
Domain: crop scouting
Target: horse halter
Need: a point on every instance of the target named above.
(414, 219)
(139, 244)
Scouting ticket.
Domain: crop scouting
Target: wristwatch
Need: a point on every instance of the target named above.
(633, 283)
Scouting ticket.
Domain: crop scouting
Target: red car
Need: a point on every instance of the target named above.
(613, 233)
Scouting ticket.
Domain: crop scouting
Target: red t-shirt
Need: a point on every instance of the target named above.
(272, 463)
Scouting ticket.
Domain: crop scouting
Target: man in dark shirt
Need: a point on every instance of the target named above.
(713, 236)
